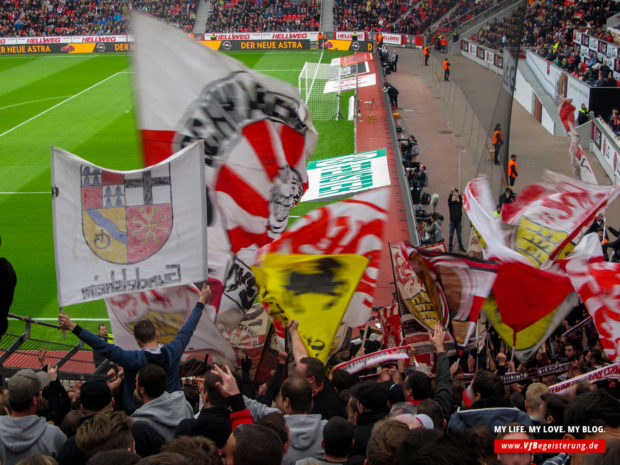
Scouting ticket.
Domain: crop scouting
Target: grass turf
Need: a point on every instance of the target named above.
(84, 104)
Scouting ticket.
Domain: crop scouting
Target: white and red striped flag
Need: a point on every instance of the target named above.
(598, 285)
(257, 137)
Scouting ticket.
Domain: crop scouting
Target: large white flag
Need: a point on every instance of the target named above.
(257, 137)
(125, 231)
(167, 309)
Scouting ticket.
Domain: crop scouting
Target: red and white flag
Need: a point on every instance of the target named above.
(352, 226)
(528, 303)
(598, 285)
(257, 137)
(167, 308)
(578, 160)
(417, 289)
(545, 218)
(391, 326)
(466, 283)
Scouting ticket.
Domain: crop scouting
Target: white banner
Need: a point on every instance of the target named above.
(393, 39)
(117, 232)
(234, 36)
(64, 39)
(367, 361)
(289, 35)
(342, 176)
(365, 80)
(610, 371)
(348, 35)
(168, 309)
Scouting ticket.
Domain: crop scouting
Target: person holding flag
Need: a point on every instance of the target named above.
(165, 355)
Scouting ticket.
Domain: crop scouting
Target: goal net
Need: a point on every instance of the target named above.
(319, 86)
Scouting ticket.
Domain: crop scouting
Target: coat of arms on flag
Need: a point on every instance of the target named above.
(126, 218)
(122, 232)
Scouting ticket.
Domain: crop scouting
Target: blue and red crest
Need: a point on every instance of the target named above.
(126, 218)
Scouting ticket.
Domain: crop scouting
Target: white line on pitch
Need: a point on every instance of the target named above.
(34, 101)
(60, 103)
(276, 70)
(14, 193)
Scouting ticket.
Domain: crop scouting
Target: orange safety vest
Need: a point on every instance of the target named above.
(444, 41)
(497, 136)
(446, 65)
(512, 163)
(426, 52)
(379, 37)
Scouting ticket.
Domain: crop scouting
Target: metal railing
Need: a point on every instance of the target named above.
(19, 351)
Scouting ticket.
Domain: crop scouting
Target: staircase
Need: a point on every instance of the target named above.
(327, 16)
(202, 15)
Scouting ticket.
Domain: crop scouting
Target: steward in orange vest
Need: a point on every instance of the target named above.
(498, 141)
(513, 172)
(427, 53)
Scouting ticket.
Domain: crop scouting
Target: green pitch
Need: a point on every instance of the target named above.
(84, 104)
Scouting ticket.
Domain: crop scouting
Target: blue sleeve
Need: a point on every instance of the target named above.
(125, 358)
(455, 424)
(178, 345)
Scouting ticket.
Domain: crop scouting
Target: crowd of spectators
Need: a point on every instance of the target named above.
(544, 24)
(463, 12)
(264, 15)
(87, 17)
(372, 15)
(397, 413)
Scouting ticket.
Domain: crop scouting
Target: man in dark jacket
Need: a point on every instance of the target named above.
(95, 398)
(8, 281)
(490, 408)
(455, 204)
(417, 385)
(166, 356)
(311, 369)
(372, 401)
(213, 421)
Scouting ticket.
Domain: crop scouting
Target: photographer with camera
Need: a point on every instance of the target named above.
(409, 150)
(455, 204)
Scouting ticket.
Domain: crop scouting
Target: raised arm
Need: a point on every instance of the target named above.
(109, 351)
(179, 343)
(443, 379)
(299, 350)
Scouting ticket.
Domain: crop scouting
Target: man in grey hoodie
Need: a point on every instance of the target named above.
(162, 410)
(24, 433)
(306, 429)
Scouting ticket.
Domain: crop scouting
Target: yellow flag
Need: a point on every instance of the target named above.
(312, 289)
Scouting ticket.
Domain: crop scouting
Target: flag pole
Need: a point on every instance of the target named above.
(396, 294)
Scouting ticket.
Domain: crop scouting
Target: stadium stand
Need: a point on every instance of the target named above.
(73, 17)
(268, 15)
(547, 24)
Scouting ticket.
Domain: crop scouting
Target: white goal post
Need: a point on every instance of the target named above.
(323, 103)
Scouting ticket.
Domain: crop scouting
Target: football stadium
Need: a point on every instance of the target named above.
(292, 232)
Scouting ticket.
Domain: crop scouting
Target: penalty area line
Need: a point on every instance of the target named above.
(34, 101)
(25, 193)
(60, 103)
